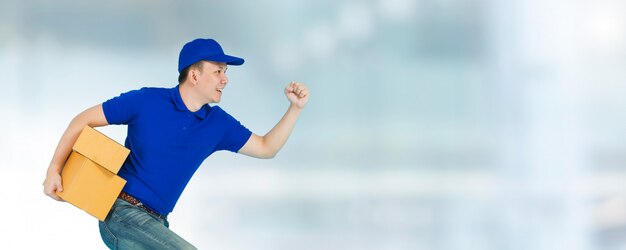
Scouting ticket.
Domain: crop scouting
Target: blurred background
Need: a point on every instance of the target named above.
(432, 124)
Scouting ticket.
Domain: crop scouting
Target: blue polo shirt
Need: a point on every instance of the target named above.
(168, 142)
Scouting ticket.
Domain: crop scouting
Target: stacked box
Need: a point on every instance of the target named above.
(90, 180)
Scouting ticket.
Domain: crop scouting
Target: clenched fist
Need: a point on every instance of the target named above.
(297, 93)
(51, 185)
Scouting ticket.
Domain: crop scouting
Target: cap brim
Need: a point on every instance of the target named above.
(229, 60)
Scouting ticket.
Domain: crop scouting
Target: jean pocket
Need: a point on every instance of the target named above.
(107, 237)
(131, 215)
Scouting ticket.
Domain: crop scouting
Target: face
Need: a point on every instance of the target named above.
(211, 81)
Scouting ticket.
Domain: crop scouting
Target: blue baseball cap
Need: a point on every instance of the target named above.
(204, 49)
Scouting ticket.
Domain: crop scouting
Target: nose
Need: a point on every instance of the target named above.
(224, 79)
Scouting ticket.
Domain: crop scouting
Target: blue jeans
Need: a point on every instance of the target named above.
(130, 227)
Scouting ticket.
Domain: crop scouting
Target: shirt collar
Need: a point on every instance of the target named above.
(202, 113)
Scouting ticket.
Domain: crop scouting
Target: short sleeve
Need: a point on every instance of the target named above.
(123, 108)
(235, 136)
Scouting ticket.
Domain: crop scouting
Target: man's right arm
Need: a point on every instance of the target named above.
(92, 117)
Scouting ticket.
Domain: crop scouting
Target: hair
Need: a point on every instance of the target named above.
(183, 74)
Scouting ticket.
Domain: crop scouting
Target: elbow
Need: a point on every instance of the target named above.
(268, 151)
(260, 154)
(269, 155)
(263, 147)
(78, 121)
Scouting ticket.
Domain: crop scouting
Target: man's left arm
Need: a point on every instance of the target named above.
(268, 145)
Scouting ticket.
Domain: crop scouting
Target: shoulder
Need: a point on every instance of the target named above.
(146, 93)
(152, 91)
(138, 97)
(220, 114)
(217, 109)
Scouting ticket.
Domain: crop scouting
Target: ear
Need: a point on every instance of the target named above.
(193, 76)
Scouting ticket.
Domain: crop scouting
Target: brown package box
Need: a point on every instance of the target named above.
(89, 175)
(101, 149)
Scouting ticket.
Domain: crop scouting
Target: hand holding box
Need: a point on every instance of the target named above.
(89, 175)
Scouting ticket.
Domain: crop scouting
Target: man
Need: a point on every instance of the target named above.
(170, 133)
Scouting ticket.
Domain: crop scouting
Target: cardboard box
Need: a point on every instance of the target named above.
(89, 175)
(101, 149)
(90, 186)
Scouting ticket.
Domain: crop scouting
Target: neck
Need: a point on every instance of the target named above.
(189, 96)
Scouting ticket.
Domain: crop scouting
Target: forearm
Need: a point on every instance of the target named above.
(277, 137)
(92, 117)
(64, 148)
(267, 146)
